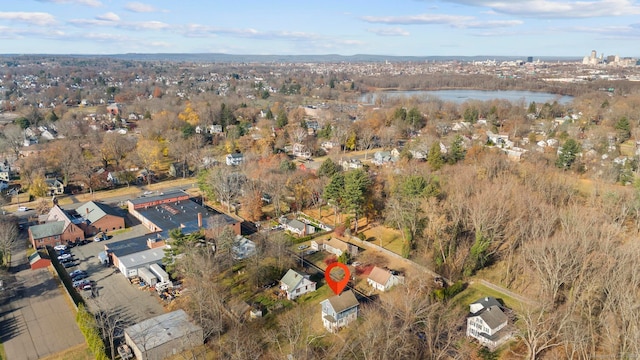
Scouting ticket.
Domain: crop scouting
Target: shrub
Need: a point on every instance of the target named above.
(89, 328)
(330, 259)
(339, 230)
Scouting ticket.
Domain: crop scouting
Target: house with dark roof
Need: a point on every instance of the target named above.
(58, 228)
(99, 217)
(298, 227)
(382, 279)
(339, 311)
(173, 210)
(294, 284)
(487, 323)
(54, 187)
(234, 159)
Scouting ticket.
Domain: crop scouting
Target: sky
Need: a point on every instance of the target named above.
(309, 27)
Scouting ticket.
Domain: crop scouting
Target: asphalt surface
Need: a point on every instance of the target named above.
(36, 320)
(112, 292)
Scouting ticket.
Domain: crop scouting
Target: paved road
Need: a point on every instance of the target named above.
(36, 320)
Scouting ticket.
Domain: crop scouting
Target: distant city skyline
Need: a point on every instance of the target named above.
(564, 28)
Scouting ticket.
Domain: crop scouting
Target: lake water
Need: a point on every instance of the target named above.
(462, 95)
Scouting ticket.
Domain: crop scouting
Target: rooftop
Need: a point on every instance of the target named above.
(130, 246)
(161, 329)
(94, 211)
(342, 302)
(47, 229)
(379, 275)
(142, 258)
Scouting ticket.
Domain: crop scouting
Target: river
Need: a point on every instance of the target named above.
(462, 95)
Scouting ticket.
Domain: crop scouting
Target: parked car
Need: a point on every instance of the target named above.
(23, 208)
(69, 264)
(100, 236)
(79, 277)
(76, 272)
(60, 247)
(66, 260)
(80, 283)
(302, 247)
(64, 256)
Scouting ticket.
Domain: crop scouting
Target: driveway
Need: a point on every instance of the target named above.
(113, 293)
(36, 318)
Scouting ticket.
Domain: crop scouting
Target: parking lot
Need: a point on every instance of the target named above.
(112, 292)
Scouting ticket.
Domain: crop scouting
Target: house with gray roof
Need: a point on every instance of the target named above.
(57, 230)
(99, 217)
(488, 323)
(294, 284)
(163, 336)
(339, 311)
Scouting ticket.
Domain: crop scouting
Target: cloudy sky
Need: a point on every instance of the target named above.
(346, 27)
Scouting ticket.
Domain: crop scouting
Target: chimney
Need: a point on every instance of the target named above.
(199, 220)
(87, 211)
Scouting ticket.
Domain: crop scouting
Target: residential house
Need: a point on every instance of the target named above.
(163, 336)
(54, 187)
(301, 151)
(234, 159)
(487, 322)
(298, 227)
(97, 217)
(294, 284)
(243, 248)
(418, 154)
(385, 157)
(351, 164)
(179, 169)
(328, 145)
(339, 311)
(335, 246)
(58, 229)
(382, 279)
(5, 171)
(114, 109)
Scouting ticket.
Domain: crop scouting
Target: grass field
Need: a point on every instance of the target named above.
(477, 291)
(80, 352)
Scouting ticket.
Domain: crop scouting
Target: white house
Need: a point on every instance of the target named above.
(382, 279)
(234, 159)
(339, 311)
(298, 227)
(295, 284)
(301, 151)
(243, 248)
(487, 322)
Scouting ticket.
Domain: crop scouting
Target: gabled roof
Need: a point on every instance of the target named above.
(292, 278)
(58, 214)
(94, 211)
(343, 302)
(47, 229)
(493, 316)
(379, 275)
(482, 304)
(296, 224)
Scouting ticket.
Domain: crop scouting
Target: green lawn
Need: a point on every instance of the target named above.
(2, 355)
(476, 291)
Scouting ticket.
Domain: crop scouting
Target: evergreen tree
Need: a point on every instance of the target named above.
(434, 158)
(328, 168)
(356, 188)
(623, 128)
(457, 152)
(282, 119)
(415, 119)
(568, 153)
(533, 108)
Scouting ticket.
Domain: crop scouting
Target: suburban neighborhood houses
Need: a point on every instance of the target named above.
(469, 209)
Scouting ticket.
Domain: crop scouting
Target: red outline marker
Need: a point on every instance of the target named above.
(337, 286)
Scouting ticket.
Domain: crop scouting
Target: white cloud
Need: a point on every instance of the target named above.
(92, 3)
(35, 18)
(558, 8)
(139, 7)
(389, 32)
(418, 19)
(492, 24)
(146, 25)
(108, 17)
(198, 30)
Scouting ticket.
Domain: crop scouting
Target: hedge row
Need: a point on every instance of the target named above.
(89, 329)
(64, 277)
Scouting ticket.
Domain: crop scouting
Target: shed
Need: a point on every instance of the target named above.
(36, 261)
(163, 336)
